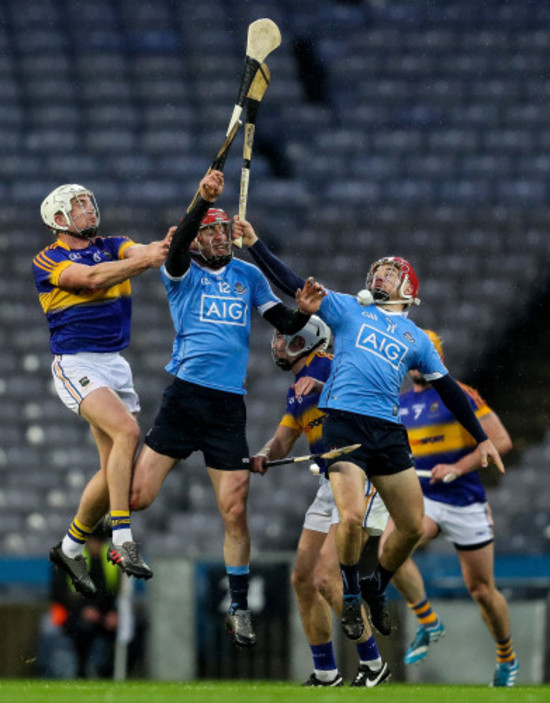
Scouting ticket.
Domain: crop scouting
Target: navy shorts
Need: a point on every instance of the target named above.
(194, 418)
(384, 447)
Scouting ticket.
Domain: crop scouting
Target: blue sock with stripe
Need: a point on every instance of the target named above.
(350, 579)
(369, 654)
(324, 661)
(239, 577)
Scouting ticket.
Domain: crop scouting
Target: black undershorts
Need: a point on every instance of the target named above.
(195, 418)
(384, 447)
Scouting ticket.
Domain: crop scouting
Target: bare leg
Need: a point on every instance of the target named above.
(231, 489)
(328, 581)
(348, 486)
(403, 498)
(408, 579)
(314, 609)
(149, 474)
(478, 572)
(113, 425)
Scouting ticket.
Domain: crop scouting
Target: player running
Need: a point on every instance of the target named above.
(375, 345)
(84, 290)
(458, 510)
(316, 578)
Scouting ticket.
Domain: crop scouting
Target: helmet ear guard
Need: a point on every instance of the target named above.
(60, 201)
(408, 282)
(315, 334)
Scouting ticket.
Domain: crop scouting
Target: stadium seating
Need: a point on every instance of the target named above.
(430, 142)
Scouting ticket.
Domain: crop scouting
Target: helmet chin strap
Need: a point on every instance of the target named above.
(381, 297)
(85, 234)
(215, 262)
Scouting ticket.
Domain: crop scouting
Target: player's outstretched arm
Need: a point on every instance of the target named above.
(277, 447)
(276, 270)
(178, 259)
(456, 400)
(137, 259)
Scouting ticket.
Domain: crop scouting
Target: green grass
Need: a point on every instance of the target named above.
(39, 691)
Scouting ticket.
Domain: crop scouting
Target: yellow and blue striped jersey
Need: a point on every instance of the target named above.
(84, 320)
(302, 414)
(436, 437)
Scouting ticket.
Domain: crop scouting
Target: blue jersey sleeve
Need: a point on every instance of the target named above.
(333, 309)
(262, 296)
(429, 361)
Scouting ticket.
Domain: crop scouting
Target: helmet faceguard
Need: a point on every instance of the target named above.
(314, 335)
(214, 254)
(406, 288)
(70, 200)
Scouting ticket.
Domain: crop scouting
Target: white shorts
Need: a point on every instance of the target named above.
(323, 513)
(465, 526)
(77, 375)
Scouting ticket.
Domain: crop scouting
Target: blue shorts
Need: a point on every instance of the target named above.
(195, 418)
(384, 447)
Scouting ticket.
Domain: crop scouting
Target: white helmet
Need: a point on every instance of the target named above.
(315, 334)
(60, 200)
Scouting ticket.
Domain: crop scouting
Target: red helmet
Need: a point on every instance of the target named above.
(406, 276)
(214, 217)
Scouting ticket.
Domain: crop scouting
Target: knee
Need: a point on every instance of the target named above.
(351, 521)
(235, 512)
(301, 580)
(416, 532)
(322, 583)
(140, 498)
(480, 592)
(411, 530)
(128, 431)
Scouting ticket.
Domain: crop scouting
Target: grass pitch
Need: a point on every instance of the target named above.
(42, 691)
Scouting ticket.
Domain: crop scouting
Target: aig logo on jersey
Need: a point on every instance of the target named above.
(381, 345)
(225, 311)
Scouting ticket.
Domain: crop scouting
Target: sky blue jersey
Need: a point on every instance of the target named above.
(373, 350)
(211, 315)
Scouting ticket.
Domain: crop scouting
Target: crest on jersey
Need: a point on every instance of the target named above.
(239, 288)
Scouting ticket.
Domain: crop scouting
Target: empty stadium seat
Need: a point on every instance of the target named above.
(431, 143)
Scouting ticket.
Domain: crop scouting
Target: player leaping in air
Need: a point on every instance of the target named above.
(316, 576)
(375, 345)
(210, 295)
(84, 290)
